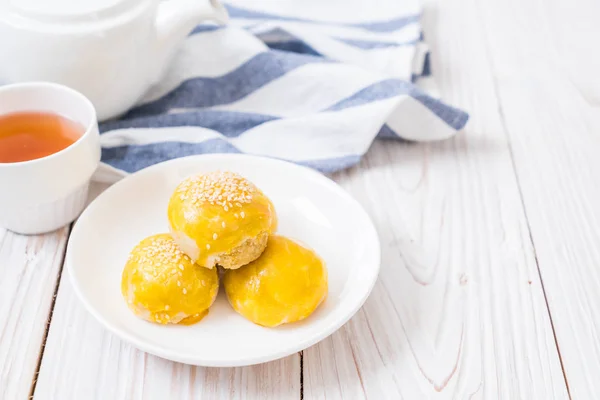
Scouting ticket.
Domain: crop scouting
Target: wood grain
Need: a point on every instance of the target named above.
(83, 361)
(549, 92)
(29, 267)
(459, 311)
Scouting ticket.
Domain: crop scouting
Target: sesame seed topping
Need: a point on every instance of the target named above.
(181, 267)
(223, 224)
(217, 188)
(243, 214)
(161, 251)
(179, 283)
(167, 307)
(215, 236)
(184, 291)
(207, 246)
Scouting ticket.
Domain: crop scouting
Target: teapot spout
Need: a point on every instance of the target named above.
(175, 19)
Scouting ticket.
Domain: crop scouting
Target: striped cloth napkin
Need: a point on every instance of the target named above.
(313, 82)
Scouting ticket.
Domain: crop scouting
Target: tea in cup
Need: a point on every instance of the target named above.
(49, 149)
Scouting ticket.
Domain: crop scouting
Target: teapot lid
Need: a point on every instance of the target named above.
(60, 10)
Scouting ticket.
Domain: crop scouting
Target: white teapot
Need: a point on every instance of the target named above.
(112, 51)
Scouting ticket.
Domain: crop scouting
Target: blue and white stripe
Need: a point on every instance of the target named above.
(311, 89)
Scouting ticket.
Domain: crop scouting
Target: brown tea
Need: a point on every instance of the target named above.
(29, 135)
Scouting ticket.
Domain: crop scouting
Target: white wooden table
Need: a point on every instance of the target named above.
(490, 282)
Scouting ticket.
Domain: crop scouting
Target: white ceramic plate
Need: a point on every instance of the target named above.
(310, 207)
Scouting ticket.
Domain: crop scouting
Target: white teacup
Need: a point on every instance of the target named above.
(47, 193)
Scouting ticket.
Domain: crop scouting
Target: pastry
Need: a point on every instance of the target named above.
(220, 218)
(285, 284)
(161, 284)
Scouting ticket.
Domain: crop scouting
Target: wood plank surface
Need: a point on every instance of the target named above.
(459, 311)
(29, 268)
(546, 71)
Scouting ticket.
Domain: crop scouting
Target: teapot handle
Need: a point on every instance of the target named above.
(175, 19)
(174, 13)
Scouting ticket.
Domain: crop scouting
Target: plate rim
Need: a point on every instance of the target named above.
(204, 362)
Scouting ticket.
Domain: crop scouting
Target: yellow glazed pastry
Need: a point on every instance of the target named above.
(161, 284)
(285, 284)
(220, 218)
